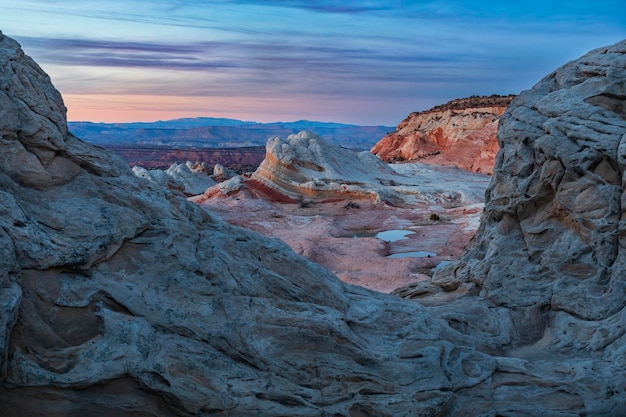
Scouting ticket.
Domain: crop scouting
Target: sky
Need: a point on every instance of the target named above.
(364, 62)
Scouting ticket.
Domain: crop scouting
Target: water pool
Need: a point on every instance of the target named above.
(417, 254)
(393, 235)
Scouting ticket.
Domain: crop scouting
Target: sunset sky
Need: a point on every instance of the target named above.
(364, 62)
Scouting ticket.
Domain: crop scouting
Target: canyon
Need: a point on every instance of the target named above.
(120, 297)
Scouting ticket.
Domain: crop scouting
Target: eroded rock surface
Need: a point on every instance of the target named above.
(550, 255)
(341, 235)
(188, 178)
(306, 165)
(305, 168)
(119, 298)
(460, 133)
(136, 302)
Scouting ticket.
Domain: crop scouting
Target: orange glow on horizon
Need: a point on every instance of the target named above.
(142, 108)
(116, 108)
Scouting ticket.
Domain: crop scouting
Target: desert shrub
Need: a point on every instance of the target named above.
(435, 217)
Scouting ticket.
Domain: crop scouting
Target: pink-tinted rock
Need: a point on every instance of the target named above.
(341, 236)
(460, 133)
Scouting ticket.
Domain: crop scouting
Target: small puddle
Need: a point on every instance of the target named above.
(393, 235)
(386, 235)
(418, 254)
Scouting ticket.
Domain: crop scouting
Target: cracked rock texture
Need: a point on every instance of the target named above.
(549, 257)
(121, 298)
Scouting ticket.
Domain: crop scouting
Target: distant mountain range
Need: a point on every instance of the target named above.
(209, 132)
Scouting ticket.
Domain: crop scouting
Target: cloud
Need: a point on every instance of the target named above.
(361, 51)
(286, 57)
(104, 53)
(324, 6)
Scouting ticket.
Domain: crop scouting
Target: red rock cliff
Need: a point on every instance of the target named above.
(462, 132)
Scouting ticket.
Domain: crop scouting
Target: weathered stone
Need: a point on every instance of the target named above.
(187, 178)
(306, 169)
(460, 133)
(549, 255)
(119, 297)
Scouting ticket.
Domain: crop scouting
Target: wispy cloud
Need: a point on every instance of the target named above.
(205, 55)
(299, 51)
(254, 68)
(327, 6)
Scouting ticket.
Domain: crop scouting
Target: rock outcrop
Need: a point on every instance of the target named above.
(189, 178)
(121, 298)
(461, 132)
(550, 253)
(440, 214)
(305, 168)
(305, 165)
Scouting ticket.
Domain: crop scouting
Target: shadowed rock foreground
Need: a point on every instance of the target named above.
(120, 298)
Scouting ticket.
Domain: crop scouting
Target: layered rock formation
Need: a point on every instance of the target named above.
(307, 165)
(461, 132)
(305, 168)
(120, 298)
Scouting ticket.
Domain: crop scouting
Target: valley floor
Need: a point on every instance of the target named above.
(341, 236)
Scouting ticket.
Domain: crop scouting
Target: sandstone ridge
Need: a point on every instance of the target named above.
(461, 132)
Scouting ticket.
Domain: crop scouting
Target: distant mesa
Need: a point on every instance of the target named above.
(462, 132)
(237, 144)
(207, 132)
(241, 158)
